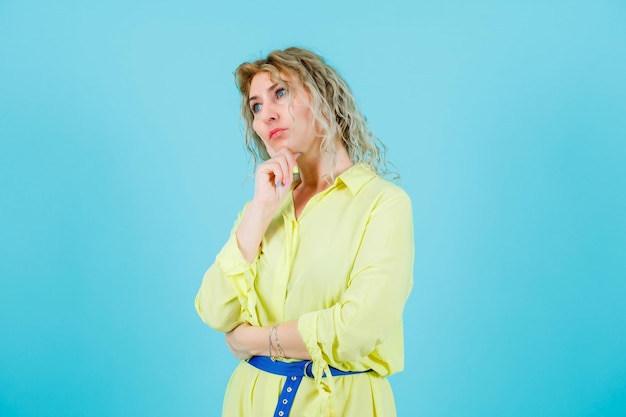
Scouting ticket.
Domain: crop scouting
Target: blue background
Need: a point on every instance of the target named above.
(122, 168)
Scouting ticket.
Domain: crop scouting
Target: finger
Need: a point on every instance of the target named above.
(282, 169)
(285, 171)
(270, 171)
(289, 165)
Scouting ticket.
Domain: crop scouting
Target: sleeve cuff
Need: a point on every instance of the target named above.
(241, 275)
(230, 259)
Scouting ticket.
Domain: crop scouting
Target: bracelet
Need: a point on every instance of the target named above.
(280, 350)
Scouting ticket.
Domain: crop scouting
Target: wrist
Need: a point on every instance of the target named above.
(251, 230)
(275, 349)
(260, 347)
(261, 212)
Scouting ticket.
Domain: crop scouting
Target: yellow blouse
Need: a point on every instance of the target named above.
(344, 270)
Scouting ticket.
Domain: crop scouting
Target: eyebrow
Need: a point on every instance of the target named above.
(272, 87)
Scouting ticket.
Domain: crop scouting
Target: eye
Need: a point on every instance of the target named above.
(256, 107)
(281, 92)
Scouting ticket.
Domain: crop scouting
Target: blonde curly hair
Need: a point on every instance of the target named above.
(334, 109)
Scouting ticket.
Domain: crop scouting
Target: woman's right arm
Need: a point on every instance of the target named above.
(225, 299)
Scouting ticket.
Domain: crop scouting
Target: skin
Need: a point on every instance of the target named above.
(290, 138)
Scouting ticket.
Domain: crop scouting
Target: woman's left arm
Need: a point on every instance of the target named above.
(246, 341)
(368, 315)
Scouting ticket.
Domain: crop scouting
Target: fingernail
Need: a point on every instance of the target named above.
(278, 184)
(298, 155)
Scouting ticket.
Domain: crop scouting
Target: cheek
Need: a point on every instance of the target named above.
(306, 120)
(255, 126)
(301, 114)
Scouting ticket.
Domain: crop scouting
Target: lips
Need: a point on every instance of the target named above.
(276, 132)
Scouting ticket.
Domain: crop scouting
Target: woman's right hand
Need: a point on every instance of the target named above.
(273, 179)
(271, 186)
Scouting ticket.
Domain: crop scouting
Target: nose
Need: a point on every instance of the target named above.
(270, 112)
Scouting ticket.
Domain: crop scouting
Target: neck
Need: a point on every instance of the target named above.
(315, 172)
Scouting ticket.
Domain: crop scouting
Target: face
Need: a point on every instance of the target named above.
(277, 122)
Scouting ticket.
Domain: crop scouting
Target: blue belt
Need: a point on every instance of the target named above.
(294, 372)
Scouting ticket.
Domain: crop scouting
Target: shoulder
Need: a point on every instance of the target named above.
(372, 190)
(377, 185)
(384, 186)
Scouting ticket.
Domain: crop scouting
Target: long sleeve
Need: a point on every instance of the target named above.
(226, 297)
(350, 334)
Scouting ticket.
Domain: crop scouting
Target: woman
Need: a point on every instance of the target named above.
(311, 285)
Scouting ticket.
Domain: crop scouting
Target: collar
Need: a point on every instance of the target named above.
(356, 177)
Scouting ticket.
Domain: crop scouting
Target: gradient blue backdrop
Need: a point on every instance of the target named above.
(122, 168)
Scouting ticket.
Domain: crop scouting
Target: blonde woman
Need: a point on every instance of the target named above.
(311, 285)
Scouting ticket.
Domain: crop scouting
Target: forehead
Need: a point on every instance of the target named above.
(263, 81)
